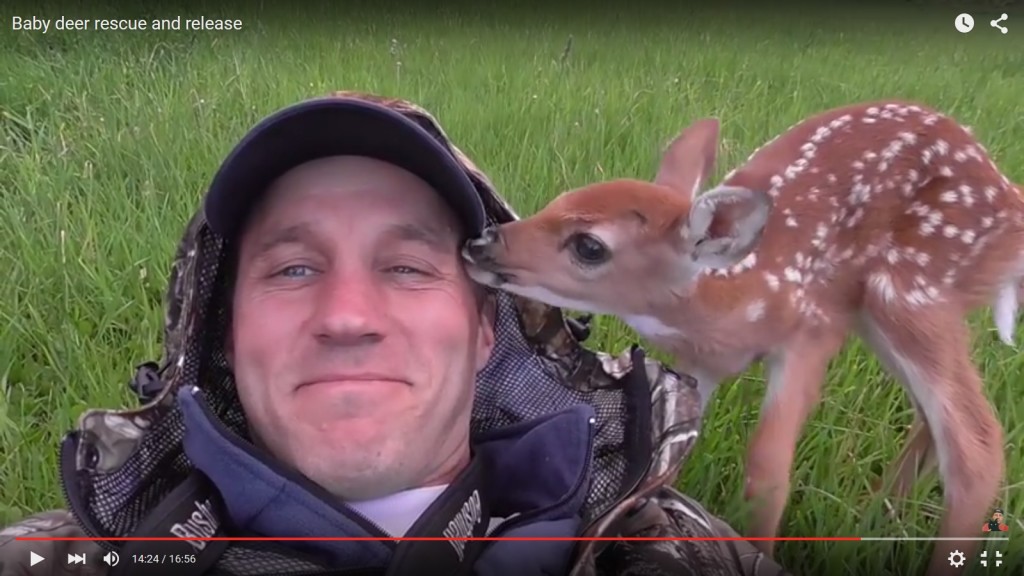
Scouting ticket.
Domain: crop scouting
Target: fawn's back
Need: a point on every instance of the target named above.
(892, 199)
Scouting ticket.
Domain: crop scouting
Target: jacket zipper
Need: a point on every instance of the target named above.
(66, 457)
(632, 487)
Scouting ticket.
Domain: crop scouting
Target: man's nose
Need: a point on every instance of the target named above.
(481, 249)
(351, 309)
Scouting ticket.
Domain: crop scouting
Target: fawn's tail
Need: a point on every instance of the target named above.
(1008, 300)
(1005, 308)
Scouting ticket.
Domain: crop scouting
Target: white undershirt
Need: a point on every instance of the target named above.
(398, 512)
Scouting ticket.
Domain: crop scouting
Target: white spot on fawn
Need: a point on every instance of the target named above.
(881, 284)
(755, 311)
(772, 280)
(746, 264)
(968, 195)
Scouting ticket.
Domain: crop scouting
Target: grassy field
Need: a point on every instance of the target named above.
(107, 141)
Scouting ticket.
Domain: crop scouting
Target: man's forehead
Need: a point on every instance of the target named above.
(413, 209)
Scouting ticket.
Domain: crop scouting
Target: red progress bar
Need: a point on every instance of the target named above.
(424, 539)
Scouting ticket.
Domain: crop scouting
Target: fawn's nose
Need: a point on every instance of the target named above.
(490, 235)
(479, 250)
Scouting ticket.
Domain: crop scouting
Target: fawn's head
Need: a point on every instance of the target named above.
(623, 246)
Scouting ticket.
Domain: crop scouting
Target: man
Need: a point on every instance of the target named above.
(330, 371)
(996, 523)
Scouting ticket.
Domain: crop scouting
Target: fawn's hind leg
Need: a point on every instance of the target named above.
(915, 460)
(930, 351)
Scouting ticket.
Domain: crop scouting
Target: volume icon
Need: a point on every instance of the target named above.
(111, 558)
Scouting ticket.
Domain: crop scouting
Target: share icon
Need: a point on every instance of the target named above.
(995, 23)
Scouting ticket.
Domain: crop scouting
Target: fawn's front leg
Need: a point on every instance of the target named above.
(795, 377)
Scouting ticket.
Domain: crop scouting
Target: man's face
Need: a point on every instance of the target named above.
(356, 335)
(998, 517)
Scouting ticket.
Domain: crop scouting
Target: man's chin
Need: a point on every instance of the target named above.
(349, 460)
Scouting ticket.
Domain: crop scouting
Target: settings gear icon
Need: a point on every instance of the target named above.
(956, 558)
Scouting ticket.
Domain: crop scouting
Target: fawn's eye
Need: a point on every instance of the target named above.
(588, 249)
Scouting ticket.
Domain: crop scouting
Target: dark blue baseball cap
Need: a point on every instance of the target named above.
(334, 126)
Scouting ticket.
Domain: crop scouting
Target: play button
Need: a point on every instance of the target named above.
(34, 559)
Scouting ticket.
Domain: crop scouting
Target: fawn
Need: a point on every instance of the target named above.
(884, 219)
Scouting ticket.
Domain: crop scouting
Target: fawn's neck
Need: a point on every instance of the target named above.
(717, 298)
(711, 304)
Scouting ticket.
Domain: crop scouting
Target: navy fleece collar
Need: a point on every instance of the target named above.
(539, 471)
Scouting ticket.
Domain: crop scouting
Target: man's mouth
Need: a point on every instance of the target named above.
(345, 378)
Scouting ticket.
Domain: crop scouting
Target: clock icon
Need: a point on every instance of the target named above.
(964, 23)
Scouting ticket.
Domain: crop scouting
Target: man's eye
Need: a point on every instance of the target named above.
(296, 271)
(405, 270)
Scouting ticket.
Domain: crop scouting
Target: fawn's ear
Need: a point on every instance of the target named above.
(725, 225)
(690, 158)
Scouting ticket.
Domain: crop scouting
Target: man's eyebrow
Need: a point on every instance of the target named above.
(438, 239)
(294, 234)
(434, 237)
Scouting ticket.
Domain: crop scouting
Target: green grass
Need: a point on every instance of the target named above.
(108, 141)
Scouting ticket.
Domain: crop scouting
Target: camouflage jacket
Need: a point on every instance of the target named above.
(117, 465)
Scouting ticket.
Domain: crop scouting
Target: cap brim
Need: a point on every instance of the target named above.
(333, 127)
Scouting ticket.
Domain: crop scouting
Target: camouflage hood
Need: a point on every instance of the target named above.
(120, 463)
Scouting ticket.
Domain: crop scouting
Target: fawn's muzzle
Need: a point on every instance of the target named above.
(482, 250)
